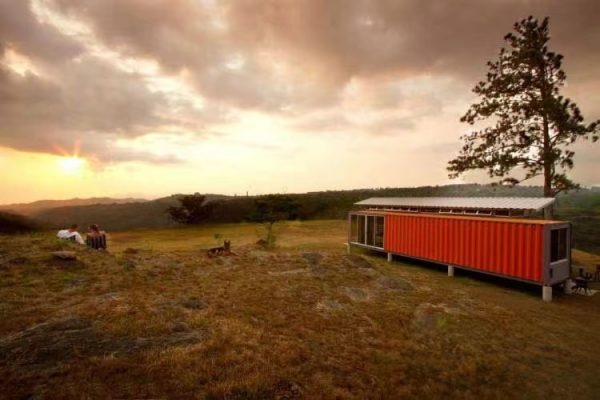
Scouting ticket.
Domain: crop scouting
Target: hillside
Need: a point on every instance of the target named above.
(156, 318)
(147, 214)
(581, 207)
(127, 215)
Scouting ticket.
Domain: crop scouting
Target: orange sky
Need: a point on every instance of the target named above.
(145, 99)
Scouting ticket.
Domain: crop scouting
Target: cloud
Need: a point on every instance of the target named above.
(278, 55)
(20, 30)
(46, 115)
(356, 66)
(74, 98)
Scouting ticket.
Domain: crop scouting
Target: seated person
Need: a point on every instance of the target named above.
(96, 238)
(71, 234)
(94, 231)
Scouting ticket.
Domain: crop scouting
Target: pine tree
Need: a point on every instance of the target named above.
(534, 124)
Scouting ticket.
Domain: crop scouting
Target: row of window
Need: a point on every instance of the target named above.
(367, 229)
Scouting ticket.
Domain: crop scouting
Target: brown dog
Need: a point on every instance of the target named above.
(224, 250)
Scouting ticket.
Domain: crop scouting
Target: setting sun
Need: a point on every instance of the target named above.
(71, 164)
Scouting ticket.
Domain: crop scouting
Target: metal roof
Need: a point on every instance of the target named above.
(487, 203)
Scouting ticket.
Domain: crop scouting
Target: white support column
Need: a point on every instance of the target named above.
(450, 270)
(389, 257)
(568, 286)
(547, 293)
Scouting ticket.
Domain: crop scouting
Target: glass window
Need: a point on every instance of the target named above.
(367, 229)
(370, 230)
(558, 244)
(361, 229)
(354, 228)
(379, 231)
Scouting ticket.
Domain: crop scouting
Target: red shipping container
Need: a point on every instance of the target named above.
(536, 251)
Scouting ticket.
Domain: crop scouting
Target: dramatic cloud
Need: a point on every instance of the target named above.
(105, 72)
(67, 97)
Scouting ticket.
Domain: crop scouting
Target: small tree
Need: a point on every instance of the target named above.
(534, 124)
(272, 208)
(193, 209)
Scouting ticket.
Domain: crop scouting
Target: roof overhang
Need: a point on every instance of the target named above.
(467, 203)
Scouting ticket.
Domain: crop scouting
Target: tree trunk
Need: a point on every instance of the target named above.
(548, 169)
(549, 212)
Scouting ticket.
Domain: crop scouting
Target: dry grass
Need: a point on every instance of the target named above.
(156, 318)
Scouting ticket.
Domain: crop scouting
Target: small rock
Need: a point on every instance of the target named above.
(65, 255)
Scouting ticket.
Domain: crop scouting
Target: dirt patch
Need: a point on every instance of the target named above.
(20, 260)
(356, 294)
(282, 390)
(391, 283)
(131, 250)
(289, 272)
(355, 261)
(194, 303)
(329, 306)
(429, 318)
(60, 263)
(65, 255)
(313, 259)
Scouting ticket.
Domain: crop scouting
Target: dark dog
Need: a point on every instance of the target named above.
(224, 250)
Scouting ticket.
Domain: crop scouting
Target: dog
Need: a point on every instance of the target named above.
(224, 250)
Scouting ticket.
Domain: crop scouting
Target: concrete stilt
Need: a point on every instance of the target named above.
(568, 286)
(547, 293)
(450, 270)
(389, 257)
(347, 248)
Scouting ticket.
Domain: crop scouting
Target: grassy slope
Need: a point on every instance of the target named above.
(156, 318)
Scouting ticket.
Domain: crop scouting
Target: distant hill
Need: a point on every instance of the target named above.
(31, 209)
(112, 216)
(115, 216)
(581, 207)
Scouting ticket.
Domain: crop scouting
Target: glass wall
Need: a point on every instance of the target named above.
(367, 230)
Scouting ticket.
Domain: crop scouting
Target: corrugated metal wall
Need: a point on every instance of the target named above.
(501, 247)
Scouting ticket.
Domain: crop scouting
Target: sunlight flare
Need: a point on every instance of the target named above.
(71, 165)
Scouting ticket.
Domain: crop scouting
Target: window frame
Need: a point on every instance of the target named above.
(562, 235)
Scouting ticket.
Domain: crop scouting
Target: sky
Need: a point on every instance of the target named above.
(146, 98)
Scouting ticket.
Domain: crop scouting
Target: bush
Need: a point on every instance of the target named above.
(14, 223)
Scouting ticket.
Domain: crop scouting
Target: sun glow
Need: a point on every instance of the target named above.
(71, 164)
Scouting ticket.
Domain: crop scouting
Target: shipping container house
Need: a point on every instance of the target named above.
(478, 234)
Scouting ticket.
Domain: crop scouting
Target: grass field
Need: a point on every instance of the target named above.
(156, 318)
